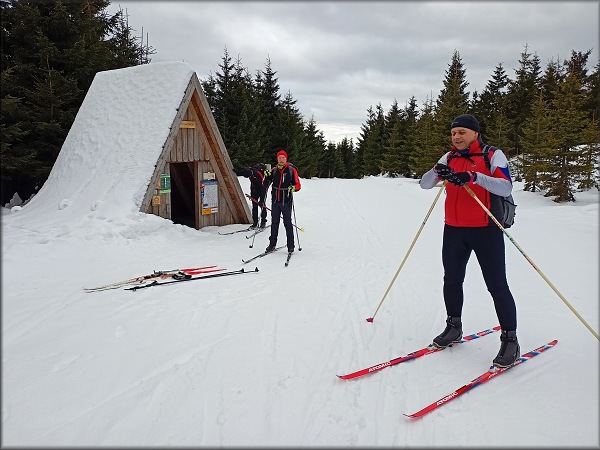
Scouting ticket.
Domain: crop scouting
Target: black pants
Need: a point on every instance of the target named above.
(260, 198)
(488, 245)
(277, 210)
(255, 207)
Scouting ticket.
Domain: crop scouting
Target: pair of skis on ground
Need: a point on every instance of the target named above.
(167, 277)
(492, 372)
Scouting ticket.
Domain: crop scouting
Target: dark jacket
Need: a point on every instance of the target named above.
(258, 183)
(282, 179)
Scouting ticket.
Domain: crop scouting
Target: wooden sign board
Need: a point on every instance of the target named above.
(187, 124)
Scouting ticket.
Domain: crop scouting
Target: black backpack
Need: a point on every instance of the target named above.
(506, 207)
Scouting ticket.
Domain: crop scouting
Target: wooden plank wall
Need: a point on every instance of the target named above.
(163, 207)
(191, 145)
(191, 142)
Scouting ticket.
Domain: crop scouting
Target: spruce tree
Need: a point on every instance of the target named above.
(310, 154)
(407, 145)
(539, 146)
(390, 163)
(268, 89)
(520, 96)
(348, 158)
(332, 162)
(367, 141)
(244, 147)
(490, 109)
(451, 102)
(589, 177)
(592, 95)
(425, 151)
(223, 86)
(572, 156)
(395, 126)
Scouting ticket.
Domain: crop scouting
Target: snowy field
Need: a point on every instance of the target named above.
(251, 359)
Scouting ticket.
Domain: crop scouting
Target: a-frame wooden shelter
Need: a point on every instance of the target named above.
(193, 182)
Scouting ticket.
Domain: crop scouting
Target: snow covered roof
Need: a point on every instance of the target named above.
(110, 152)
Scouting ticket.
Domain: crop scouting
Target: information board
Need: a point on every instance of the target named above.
(209, 190)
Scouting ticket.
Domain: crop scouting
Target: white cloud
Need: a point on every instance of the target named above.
(324, 52)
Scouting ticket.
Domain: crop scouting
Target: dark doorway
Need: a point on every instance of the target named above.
(183, 203)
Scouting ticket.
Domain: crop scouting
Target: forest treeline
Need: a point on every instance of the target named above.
(51, 51)
(544, 118)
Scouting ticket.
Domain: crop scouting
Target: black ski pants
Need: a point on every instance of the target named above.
(488, 245)
(260, 197)
(279, 209)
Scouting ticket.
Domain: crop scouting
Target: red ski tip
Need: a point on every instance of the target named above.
(370, 319)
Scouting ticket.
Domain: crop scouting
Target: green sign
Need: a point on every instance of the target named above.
(164, 186)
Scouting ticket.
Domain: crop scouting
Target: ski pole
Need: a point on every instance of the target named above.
(370, 319)
(297, 237)
(269, 209)
(472, 194)
(253, 237)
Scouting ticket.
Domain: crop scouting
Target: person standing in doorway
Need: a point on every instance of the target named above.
(468, 228)
(285, 181)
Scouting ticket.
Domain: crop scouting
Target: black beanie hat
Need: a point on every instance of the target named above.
(466, 121)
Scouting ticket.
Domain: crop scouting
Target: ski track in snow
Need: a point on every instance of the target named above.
(251, 359)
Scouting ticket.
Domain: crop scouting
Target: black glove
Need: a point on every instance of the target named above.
(462, 178)
(443, 171)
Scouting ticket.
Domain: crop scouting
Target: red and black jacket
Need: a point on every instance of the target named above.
(282, 179)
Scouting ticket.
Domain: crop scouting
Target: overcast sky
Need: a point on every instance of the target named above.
(339, 58)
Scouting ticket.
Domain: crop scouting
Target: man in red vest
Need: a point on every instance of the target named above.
(468, 228)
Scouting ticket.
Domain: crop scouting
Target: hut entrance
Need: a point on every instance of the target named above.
(183, 203)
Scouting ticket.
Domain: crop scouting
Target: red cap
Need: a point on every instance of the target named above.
(282, 152)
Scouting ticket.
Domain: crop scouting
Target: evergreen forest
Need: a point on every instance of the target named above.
(51, 51)
(546, 119)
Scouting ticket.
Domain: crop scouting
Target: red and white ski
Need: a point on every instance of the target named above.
(416, 354)
(487, 376)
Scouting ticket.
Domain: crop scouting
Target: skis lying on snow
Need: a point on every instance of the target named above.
(260, 255)
(156, 283)
(416, 354)
(158, 274)
(237, 231)
(487, 376)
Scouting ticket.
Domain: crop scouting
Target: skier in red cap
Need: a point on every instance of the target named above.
(285, 181)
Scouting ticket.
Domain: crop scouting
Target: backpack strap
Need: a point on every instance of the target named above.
(486, 157)
(484, 152)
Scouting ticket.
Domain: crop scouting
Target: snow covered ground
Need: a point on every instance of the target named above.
(251, 359)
